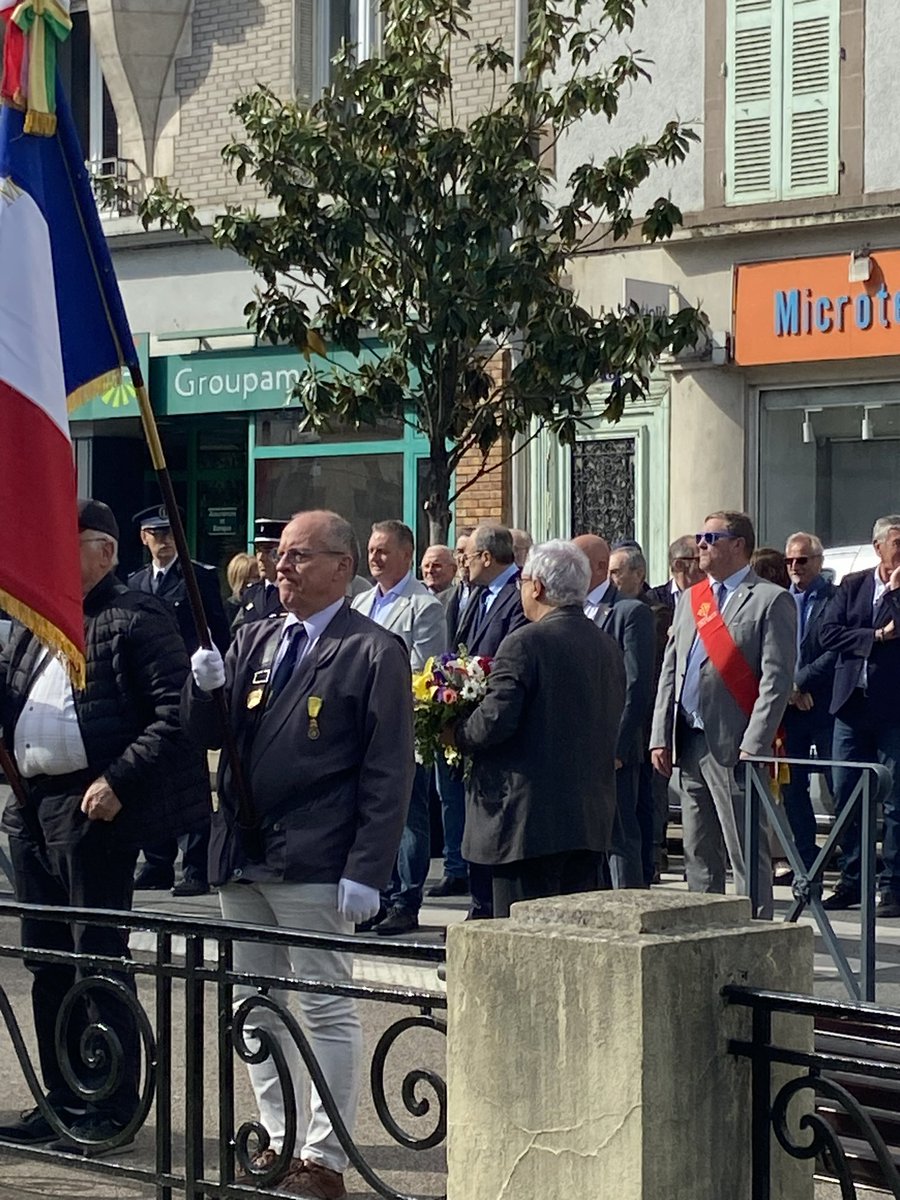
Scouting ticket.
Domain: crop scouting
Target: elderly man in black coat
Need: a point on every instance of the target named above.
(539, 814)
(321, 706)
(104, 768)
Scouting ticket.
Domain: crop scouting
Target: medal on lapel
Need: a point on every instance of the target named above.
(313, 708)
(254, 697)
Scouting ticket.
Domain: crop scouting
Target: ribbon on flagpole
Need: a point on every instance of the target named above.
(34, 30)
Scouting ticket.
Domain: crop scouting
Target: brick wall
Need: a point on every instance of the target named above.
(235, 45)
(489, 499)
(491, 19)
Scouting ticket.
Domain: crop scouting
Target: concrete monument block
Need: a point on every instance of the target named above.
(588, 1048)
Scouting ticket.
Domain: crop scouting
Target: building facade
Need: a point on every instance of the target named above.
(152, 83)
(789, 244)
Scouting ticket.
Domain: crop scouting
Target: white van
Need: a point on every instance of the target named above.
(843, 560)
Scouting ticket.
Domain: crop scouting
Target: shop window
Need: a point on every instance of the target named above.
(321, 27)
(364, 488)
(285, 427)
(782, 74)
(828, 462)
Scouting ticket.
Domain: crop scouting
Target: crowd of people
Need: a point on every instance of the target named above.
(323, 821)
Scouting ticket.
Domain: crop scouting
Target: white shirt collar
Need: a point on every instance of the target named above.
(315, 625)
(595, 597)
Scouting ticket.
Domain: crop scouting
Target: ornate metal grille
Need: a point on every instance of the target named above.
(603, 488)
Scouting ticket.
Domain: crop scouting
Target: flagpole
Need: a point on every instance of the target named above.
(247, 818)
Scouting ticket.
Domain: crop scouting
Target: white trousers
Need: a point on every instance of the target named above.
(330, 1022)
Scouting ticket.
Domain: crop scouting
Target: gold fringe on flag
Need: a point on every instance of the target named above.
(48, 634)
(93, 388)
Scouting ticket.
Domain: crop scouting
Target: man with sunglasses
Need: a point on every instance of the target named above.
(261, 599)
(808, 723)
(684, 572)
(726, 678)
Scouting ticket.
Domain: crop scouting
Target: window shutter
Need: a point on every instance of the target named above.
(812, 57)
(753, 106)
(305, 35)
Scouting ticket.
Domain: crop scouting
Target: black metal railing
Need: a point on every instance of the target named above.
(872, 786)
(848, 1133)
(197, 955)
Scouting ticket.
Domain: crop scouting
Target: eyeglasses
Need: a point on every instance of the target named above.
(801, 560)
(295, 557)
(713, 536)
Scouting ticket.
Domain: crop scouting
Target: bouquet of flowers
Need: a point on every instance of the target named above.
(446, 689)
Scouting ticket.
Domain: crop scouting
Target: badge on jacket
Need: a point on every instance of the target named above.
(313, 708)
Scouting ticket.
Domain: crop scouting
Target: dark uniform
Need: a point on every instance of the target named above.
(261, 600)
(159, 868)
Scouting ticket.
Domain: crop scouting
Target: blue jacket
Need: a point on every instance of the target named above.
(848, 627)
(815, 664)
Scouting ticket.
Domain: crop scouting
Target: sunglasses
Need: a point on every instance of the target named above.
(715, 535)
(800, 561)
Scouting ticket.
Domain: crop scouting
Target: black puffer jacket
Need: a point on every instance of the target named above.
(128, 713)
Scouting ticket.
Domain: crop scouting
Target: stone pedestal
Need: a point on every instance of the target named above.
(588, 1048)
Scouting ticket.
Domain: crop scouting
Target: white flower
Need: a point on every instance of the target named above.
(469, 691)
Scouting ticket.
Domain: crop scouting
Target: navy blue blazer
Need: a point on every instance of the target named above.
(661, 595)
(482, 633)
(815, 664)
(174, 592)
(633, 626)
(848, 627)
(258, 603)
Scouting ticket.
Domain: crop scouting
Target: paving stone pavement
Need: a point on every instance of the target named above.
(410, 1173)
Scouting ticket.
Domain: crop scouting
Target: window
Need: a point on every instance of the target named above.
(92, 110)
(782, 69)
(320, 28)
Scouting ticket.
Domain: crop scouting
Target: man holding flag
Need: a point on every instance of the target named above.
(725, 682)
(104, 768)
(93, 784)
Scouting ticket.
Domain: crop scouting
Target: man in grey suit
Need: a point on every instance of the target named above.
(321, 707)
(721, 698)
(401, 604)
(630, 623)
(540, 815)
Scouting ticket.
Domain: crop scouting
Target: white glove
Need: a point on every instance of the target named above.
(208, 669)
(356, 902)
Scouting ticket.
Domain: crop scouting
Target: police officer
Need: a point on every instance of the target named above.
(164, 577)
(261, 599)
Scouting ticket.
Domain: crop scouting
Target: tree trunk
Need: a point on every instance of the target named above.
(437, 503)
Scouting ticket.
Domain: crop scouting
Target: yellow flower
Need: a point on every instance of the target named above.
(422, 685)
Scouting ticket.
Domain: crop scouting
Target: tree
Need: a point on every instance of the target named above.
(428, 248)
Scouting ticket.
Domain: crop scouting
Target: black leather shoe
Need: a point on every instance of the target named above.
(368, 926)
(844, 896)
(97, 1131)
(888, 905)
(150, 880)
(397, 921)
(190, 887)
(32, 1129)
(450, 885)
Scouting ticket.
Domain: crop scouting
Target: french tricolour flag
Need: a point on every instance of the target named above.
(63, 337)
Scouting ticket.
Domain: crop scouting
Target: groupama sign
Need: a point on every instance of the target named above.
(806, 310)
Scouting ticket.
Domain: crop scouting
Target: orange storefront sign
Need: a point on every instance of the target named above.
(805, 310)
